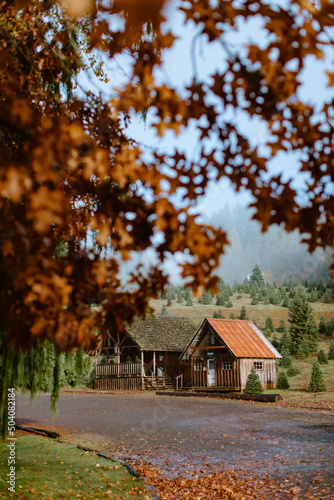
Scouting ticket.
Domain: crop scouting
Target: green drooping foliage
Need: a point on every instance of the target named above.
(253, 384)
(322, 357)
(282, 381)
(302, 324)
(317, 383)
(39, 369)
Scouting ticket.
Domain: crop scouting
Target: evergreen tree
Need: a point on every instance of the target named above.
(218, 314)
(322, 357)
(189, 301)
(269, 324)
(292, 371)
(286, 360)
(327, 299)
(303, 350)
(282, 327)
(164, 311)
(322, 325)
(331, 351)
(282, 381)
(256, 275)
(232, 316)
(220, 300)
(179, 298)
(169, 302)
(317, 383)
(302, 325)
(253, 383)
(330, 328)
(243, 313)
(229, 304)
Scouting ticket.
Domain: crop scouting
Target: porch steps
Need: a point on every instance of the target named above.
(161, 383)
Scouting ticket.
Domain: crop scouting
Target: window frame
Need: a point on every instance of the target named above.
(224, 366)
(256, 367)
(199, 366)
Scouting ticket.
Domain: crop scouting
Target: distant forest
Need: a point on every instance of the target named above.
(279, 253)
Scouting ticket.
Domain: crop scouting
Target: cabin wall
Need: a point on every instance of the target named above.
(267, 375)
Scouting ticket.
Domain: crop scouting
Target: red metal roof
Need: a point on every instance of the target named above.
(243, 338)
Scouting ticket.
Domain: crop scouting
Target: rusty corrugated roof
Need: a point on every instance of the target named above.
(243, 338)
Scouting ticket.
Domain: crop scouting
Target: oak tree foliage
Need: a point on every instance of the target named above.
(67, 164)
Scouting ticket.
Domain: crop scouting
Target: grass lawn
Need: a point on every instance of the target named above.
(50, 470)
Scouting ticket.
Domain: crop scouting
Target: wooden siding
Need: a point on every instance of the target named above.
(106, 370)
(118, 384)
(267, 375)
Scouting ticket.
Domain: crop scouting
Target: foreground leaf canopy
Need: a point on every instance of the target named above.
(67, 164)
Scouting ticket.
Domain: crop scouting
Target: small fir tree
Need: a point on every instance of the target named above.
(189, 301)
(286, 360)
(218, 314)
(243, 313)
(292, 371)
(322, 357)
(331, 351)
(164, 311)
(169, 302)
(229, 304)
(253, 383)
(329, 328)
(256, 275)
(282, 327)
(269, 324)
(322, 325)
(232, 316)
(327, 299)
(282, 381)
(220, 300)
(317, 383)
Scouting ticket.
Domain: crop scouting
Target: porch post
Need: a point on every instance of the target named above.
(142, 369)
(118, 353)
(154, 363)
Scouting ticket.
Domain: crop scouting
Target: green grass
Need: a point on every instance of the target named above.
(50, 470)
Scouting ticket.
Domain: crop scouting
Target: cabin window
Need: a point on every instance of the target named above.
(258, 365)
(199, 366)
(227, 365)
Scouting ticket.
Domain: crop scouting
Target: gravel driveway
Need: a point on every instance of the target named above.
(182, 434)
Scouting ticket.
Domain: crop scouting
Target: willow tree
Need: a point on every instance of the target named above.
(68, 165)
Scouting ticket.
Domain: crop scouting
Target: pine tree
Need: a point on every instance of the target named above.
(256, 275)
(229, 304)
(322, 357)
(269, 324)
(169, 302)
(286, 360)
(232, 316)
(302, 323)
(292, 371)
(253, 383)
(322, 325)
(164, 311)
(331, 351)
(327, 299)
(218, 314)
(317, 383)
(303, 350)
(220, 300)
(189, 301)
(282, 381)
(243, 313)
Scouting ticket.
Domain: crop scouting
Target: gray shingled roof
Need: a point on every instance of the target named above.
(162, 333)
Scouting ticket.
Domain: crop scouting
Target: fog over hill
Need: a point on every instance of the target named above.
(276, 251)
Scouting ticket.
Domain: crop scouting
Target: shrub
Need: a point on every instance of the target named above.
(218, 314)
(229, 304)
(317, 383)
(232, 316)
(331, 351)
(282, 381)
(292, 371)
(253, 384)
(322, 357)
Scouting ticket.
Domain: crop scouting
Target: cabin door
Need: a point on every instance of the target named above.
(211, 373)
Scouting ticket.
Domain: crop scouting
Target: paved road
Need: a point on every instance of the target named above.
(182, 434)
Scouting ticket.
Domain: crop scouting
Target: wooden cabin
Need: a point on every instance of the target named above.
(145, 355)
(222, 353)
